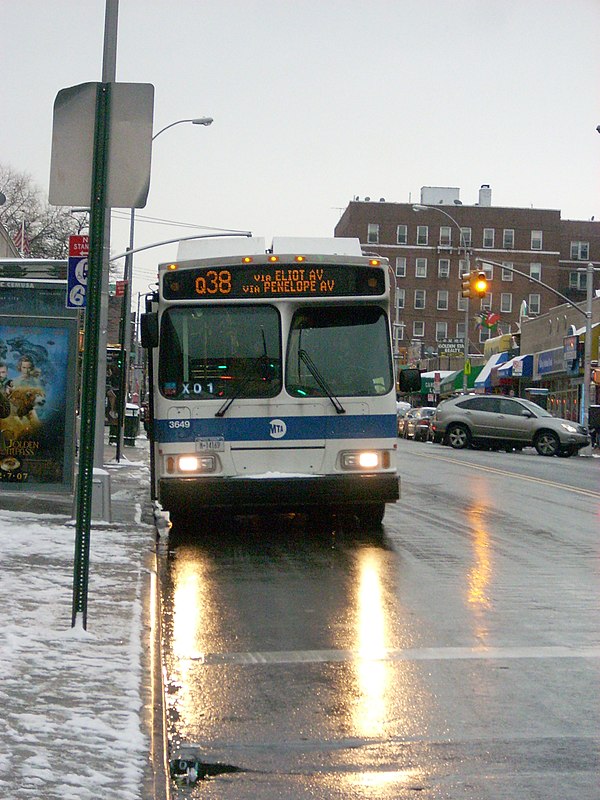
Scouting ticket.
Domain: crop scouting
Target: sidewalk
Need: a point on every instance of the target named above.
(79, 707)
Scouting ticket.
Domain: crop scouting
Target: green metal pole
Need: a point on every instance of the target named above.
(122, 398)
(90, 356)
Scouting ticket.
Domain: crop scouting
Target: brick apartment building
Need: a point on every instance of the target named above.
(422, 246)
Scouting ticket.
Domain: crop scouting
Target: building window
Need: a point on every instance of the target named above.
(535, 271)
(488, 269)
(578, 280)
(445, 235)
(460, 330)
(534, 304)
(401, 267)
(580, 251)
(488, 237)
(536, 240)
(421, 268)
(486, 302)
(462, 302)
(441, 331)
(400, 333)
(484, 334)
(422, 234)
(444, 268)
(402, 234)
(373, 233)
(400, 297)
(465, 237)
(508, 238)
(418, 328)
(442, 300)
(419, 298)
(463, 267)
(506, 303)
(507, 274)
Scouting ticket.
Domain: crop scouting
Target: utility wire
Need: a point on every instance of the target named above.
(167, 222)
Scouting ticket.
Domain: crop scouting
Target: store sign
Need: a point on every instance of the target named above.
(570, 347)
(451, 347)
(550, 361)
(571, 355)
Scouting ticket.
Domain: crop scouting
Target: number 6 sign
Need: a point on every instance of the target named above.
(77, 271)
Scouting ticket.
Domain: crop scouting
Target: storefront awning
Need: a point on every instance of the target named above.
(483, 380)
(581, 331)
(446, 379)
(519, 366)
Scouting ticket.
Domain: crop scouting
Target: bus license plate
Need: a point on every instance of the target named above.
(210, 443)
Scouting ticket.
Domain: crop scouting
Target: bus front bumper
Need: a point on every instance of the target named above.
(281, 492)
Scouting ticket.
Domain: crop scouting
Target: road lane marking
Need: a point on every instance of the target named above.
(411, 654)
(498, 471)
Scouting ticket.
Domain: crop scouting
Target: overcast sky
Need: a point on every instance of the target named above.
(318, 101)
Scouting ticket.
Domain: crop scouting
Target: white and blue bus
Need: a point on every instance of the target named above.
(272, 381)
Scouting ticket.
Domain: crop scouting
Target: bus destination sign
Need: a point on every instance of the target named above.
(273, 280)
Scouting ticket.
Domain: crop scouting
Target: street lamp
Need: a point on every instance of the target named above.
(125, 332)
(197, 121)
(420, 207)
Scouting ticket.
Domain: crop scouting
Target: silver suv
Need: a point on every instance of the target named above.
(498, 421)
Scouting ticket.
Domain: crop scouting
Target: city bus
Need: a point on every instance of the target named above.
(272, 380)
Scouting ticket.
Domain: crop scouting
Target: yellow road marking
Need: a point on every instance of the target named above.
(497, 471)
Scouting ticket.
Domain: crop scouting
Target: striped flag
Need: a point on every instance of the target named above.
(20, 240)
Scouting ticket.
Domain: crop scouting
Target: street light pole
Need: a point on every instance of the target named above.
(125, 327)
(461, 238)
(587, 353)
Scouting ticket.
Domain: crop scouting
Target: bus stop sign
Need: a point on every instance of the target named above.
(77, 268)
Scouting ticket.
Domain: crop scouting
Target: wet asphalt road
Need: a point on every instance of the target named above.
(456, 655)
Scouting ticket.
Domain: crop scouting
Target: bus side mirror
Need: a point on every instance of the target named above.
(409, 380)
(149, 330)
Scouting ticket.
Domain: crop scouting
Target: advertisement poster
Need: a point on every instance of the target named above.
(36, 441)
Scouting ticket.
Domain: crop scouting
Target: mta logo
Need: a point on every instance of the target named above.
(277, 428)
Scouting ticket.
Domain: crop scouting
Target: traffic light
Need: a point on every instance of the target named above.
(466, 284)
(478, 284)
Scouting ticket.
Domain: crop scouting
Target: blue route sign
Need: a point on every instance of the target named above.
(77, 271)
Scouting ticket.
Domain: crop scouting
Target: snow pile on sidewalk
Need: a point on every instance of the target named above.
(71, 699)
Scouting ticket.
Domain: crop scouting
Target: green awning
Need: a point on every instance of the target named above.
(450, 381)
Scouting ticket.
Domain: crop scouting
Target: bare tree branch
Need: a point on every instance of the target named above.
(47, 228)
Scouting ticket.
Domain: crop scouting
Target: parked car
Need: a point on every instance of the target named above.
(402, 408)
(416, 423)
(511, 422)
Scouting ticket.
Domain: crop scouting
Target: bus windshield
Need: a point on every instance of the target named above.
(348, 347)
(220, 351)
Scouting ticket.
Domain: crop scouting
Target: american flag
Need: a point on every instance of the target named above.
(20, 240)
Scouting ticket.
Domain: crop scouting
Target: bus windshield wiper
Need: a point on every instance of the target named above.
(254, 369)
(314, 371)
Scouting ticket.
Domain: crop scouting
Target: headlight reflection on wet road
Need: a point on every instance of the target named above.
(191, 608)
(371, 667)
(479, 577)
(187, 610)
(480, 574)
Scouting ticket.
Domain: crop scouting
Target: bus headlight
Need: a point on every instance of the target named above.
(191, 463)
(364, 459)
